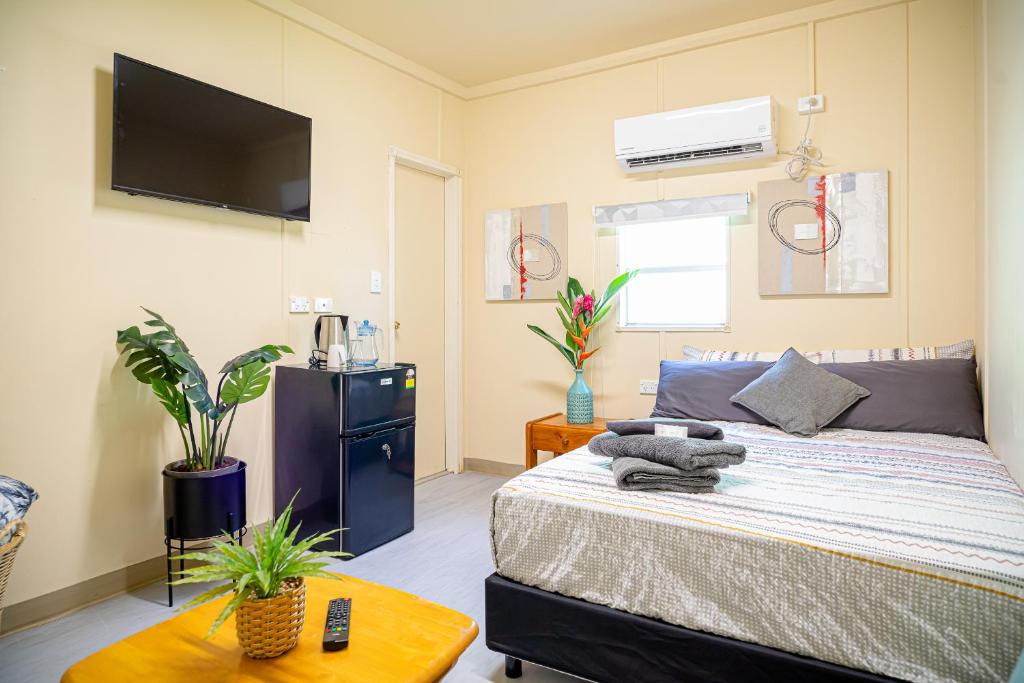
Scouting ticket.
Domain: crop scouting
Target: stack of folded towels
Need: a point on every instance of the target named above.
(645, 461)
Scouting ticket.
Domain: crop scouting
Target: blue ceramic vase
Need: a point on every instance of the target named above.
(579, 401)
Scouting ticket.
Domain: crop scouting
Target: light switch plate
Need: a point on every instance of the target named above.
(649, 386)
(323, 304)
(375, 282)
(299, 304)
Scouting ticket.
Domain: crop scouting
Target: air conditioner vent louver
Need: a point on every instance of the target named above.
(715, 153)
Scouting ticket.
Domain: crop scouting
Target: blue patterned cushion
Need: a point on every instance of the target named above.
(15, 499)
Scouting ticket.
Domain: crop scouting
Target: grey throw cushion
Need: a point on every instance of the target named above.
(798, 396)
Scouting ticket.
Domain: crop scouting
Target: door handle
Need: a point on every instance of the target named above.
(397, 324)
(387, 450)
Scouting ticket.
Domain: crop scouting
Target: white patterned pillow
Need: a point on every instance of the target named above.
(15, 499)
(964, 349)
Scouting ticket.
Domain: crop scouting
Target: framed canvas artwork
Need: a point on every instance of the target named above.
(525, 252)
(828, 234)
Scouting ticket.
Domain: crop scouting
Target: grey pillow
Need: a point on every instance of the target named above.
(938, 396)
(798, 396)
(701, 391)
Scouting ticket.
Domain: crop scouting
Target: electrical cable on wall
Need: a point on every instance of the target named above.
(805, 157)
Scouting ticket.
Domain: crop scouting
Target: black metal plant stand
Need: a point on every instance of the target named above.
(201, 506)
(169, 542)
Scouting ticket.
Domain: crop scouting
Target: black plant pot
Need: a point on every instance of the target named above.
(204, 504)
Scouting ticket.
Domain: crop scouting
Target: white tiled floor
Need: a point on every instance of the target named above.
(445, 559)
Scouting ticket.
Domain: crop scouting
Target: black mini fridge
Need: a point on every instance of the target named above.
(345, 441)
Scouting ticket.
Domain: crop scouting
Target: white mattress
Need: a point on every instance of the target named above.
(900, 554)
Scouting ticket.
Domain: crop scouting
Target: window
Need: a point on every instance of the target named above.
(681, 248)
(684, 273)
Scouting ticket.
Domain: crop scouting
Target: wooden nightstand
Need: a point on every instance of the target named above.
(553, 433)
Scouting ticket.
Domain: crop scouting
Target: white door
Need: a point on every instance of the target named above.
(419, 305)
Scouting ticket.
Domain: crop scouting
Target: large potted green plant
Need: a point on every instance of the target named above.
(269, 600)
(579, 320)
(204, 492)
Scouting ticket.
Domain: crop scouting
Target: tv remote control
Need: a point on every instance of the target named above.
(336, 630)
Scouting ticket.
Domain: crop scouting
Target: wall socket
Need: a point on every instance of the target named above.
(812, 104)
(649, 386)
(323, 304)
(298, 304)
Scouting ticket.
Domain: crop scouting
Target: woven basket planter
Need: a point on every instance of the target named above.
(7, 553)
(270, 627)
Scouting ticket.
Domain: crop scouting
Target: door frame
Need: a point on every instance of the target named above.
(452, 289)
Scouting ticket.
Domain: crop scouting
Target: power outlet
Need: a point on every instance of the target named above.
(323, 304)
(649, 386)
(812, 104)
(298, 304)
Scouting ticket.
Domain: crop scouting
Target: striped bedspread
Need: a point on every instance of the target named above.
(901, 554)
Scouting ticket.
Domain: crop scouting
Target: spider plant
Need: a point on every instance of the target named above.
(162, 360)
(260, 572)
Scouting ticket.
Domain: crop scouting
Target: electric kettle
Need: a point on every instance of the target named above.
(364, 349)
(330, 330)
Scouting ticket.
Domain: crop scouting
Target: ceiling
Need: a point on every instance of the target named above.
(479, 41)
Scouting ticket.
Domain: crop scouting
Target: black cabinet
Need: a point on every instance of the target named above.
(379, 476)
(345, 440)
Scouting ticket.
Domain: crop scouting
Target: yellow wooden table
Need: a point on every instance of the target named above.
(394, 636)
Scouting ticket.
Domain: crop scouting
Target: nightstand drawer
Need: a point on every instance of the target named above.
(559, 440)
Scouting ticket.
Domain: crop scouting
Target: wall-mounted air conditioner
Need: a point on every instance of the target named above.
(712, 134)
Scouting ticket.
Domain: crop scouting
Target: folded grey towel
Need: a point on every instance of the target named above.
(695, 428)
(684, 454)
(635, 474)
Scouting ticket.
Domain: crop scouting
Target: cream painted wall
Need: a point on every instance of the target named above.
(899, 86)
(76, 259)
(1001, 56)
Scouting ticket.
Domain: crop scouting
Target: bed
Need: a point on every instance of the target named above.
(852, 555)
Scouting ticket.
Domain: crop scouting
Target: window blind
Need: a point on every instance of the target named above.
(619, 215)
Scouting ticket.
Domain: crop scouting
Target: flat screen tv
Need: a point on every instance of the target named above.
(178, 138)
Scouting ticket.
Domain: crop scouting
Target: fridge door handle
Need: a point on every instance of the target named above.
(387, 450)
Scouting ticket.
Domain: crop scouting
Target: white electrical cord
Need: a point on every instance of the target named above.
(805, 157)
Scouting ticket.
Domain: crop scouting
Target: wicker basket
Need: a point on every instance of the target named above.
(270, 627)
(7, 552)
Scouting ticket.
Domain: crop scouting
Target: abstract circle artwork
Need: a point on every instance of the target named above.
(514, 259)
(833, 220)
(828, 234)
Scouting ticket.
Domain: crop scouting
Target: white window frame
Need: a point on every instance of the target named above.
(622, 326)
(622, 216)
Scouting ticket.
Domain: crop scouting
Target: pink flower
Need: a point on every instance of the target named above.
(583, 303)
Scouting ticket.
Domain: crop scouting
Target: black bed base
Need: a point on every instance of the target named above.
(604, 644)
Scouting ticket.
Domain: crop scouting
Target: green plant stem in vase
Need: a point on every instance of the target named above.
(579, 319)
